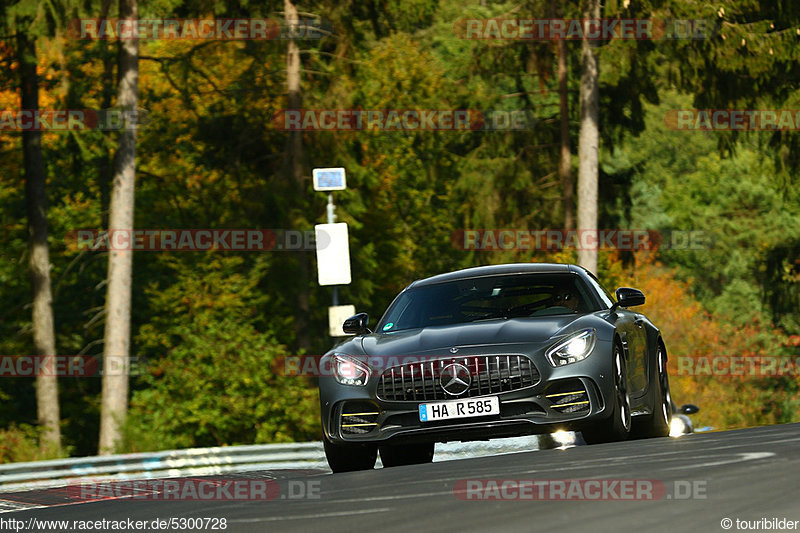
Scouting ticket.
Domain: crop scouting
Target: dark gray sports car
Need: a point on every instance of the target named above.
(489, 352)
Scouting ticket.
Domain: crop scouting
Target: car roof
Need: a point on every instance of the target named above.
(494, 270)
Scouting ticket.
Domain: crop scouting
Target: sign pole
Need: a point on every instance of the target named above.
(331, 220)
(333, 250)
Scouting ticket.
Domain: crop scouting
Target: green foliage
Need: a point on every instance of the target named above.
(733, 208)
(213, 378)
(20, 442)
(220, 385)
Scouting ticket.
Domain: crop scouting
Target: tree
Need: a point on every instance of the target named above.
(217, 377)
(120, 262)
(294, 153)
(565, 154)
(39, 260)
(588, 141)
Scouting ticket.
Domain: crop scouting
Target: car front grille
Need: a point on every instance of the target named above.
(490, 374)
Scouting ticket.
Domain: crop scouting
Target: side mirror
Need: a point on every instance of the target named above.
(689, 409)
(356, 324)
(628, 297)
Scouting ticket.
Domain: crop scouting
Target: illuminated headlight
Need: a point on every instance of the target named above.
(575, 348)
(349, 371)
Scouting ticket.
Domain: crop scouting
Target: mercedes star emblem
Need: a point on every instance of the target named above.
(455, 379)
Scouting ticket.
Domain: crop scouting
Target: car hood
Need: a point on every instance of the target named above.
(439, 339)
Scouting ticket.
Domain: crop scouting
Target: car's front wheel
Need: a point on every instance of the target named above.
(408, 454)
(658, 423)
(350, 457)
(618, 426)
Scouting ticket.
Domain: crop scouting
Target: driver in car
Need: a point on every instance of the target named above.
(566, 298)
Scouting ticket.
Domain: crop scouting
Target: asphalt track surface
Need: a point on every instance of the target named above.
(748, 474)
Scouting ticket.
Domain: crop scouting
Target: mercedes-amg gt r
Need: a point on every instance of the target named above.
(489, 352)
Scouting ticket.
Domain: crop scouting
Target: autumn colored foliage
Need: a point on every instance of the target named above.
(726, 401)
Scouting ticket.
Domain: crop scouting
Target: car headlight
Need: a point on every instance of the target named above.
(575, 348)
(349, 371)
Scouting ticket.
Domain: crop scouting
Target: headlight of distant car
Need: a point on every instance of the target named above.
(575, 348)
(349, 371)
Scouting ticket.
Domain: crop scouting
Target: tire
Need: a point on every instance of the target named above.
(618, 426)
(658, 423)
(350, 457)
(408, 454)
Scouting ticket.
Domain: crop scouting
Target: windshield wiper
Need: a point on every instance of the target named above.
(500, 313)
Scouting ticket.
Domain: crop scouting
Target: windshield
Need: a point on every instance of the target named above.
(488, 298)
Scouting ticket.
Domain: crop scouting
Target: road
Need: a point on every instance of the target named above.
(699, 480)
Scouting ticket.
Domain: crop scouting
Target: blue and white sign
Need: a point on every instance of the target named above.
(329, 179)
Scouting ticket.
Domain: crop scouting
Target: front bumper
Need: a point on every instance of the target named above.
(567, 397)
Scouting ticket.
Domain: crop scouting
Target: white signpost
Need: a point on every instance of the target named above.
(333, 254)
(333, 248)
(337, 314)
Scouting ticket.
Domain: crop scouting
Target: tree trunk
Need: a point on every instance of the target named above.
(588, 142)
(295, 167)
(565, 159)
(294, 96)
(44, 338)
(104, 160)
(565, 155)
(116, 350)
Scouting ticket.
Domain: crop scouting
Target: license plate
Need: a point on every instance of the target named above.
(459, 409)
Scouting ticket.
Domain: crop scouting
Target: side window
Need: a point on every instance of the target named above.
(585, 301)
(601, 291)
